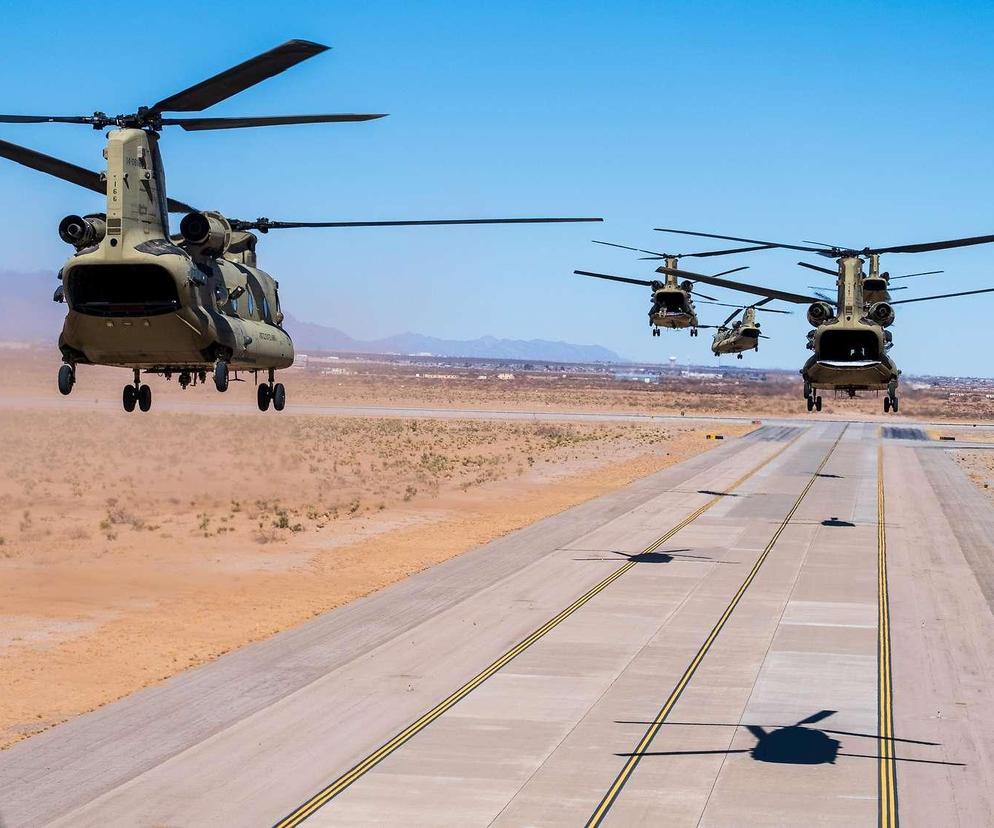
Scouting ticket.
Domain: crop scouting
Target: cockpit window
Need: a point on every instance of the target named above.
(121, 290)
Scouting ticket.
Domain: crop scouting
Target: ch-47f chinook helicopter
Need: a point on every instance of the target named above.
(672, 302)
(742, 334)
(186, 304)
(850, 336)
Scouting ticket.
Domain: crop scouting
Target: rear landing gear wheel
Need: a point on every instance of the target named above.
(738, 356)
(886, 405)
(67, 379)
(221, 375)
(811, 403)
(279, 396)
(129, 398)
(818, 403)
(264, 396)
(144, 397)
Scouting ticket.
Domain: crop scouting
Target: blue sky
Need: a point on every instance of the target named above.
(849, 122)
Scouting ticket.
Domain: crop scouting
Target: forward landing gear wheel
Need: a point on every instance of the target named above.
(144, 397)
(738, 356)
(886, 405)
(129, 398)
(264, 396)
(67, 379)
(279, 396)
(818, 403)
(221, 375)
(893, 405)
(811, 403)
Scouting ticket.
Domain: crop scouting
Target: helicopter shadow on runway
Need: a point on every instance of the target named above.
(796, 744)
(645, 557)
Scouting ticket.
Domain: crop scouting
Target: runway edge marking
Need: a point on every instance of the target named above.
(340, 784)
(609, 798)
(887, 765)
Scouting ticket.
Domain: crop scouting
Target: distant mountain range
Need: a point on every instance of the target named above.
(28, 313)
(308, 336)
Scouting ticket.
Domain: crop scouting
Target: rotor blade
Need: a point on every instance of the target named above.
(265, 225)
(912, 275)
(238, 78)
(763, 336)
(704, 296)
(180, 207)
(45, 119)
(197, 124)
(733, 270)
(726, 252)
(613, 278)
(826, 245)
(745, 288)
(731, 316)
(926, 246)
(820, 269)
(738, 239)
(53, 166)
(636, 249)
(657, 255)
(942, 296)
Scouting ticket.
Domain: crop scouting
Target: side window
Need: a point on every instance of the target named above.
(249, 302)
(234, 306)
(265, 308)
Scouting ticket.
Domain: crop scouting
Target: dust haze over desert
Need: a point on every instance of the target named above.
(411, 505)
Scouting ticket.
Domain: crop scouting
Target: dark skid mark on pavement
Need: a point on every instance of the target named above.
(773, 434)
(904, 433)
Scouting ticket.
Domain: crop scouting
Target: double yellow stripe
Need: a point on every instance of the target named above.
(348, 778)
(887, 765)
(601, 811)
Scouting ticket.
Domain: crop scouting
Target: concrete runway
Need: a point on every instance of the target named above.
(772, 633)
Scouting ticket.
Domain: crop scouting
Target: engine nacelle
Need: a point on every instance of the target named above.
(819, 313)
(210, 232)
(882, 313)
(82, 231)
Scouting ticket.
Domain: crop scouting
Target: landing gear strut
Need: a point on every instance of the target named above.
(67, 378)
(221, 375)
(273, 393)
(137, 394)
(890, 401)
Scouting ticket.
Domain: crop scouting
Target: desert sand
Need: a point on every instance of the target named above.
(135, 546)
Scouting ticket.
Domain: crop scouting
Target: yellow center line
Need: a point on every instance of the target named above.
(601, 811)
(336, 787)
(885, 702)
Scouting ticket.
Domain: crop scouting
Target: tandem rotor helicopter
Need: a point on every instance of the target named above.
(850, 336)
(672, 302)
(185, 304)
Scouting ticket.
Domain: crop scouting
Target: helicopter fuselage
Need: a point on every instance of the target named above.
(743, 335)
(850, 347)
(166, 311)
(142, 299)
(672, 305)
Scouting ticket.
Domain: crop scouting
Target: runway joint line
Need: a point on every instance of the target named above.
(626, 772)
(343, 782)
